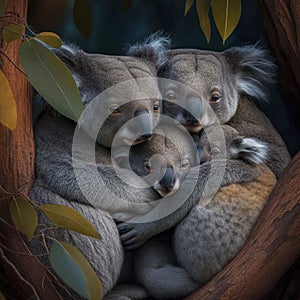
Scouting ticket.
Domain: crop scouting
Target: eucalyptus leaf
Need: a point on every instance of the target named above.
(51, 78)
(74, 269)
(50, 38)
(69, 218)
(226, 14)
(8, 109)
(203, 7)
(82, 14)
(188, 5)
(66, 267)
(12, 32)
(3, 5)
(24, 216)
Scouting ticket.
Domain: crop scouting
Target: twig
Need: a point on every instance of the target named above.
(19, 274)
(1, 51)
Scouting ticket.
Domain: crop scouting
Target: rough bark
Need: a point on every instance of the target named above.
(273, 246)
(23, 272)
(282, 25)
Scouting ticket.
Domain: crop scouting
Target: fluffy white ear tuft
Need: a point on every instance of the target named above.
(251, 150)
(254, 70)
(153, 48)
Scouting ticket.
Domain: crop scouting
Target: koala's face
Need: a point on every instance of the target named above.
(210, 80)
(164, 160)
(216, 80)
(211, 146)
(125, 99)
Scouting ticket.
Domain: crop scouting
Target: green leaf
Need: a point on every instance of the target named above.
(3, 5)
(74, 269)
(82, 14)
(188, 5)
(8, 109)
(24, 216)
(226, 14)
(50, 38)
(69, 218)
(203, 7)
(12, 32)
(51, 78)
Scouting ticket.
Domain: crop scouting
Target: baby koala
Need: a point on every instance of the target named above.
(210, 235)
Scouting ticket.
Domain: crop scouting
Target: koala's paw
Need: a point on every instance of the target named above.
(133, 235)
(122, 216)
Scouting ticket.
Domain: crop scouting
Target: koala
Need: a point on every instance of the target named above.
(212, 234)
(219, 89)
(55, 176)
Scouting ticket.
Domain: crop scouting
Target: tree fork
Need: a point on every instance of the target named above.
(25, 274)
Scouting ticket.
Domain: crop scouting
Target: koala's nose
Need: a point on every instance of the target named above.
(167, 183)
(143, 125)
(204, 155)
(194, 107)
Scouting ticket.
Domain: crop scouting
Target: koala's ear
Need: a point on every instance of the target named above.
(254, 69)
(154, 48)
(251, 150)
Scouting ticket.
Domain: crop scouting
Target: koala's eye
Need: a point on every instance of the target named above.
(215, 151)
(114, 109)
(170, 96)
(156, 106)
(184, 165)
(147, 166)
(215, 97)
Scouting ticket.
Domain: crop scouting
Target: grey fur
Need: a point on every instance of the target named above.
(154, 48)
(239, 73)
(208, 237)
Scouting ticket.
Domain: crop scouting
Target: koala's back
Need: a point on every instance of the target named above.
(209, 237)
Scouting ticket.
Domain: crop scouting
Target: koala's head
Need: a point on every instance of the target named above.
(210, 146)
(95, 73)
(163, 160)
(214, 80)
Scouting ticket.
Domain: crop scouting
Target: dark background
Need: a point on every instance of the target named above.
(114, 28)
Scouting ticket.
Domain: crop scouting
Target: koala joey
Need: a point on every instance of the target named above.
(210, 235)
(220, 89)
(55, 178)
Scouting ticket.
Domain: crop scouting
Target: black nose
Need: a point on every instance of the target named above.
(192, 122)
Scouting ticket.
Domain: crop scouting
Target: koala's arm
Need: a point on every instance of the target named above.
(199, 186)
(105, 190)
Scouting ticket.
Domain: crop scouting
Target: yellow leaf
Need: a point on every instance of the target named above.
(2, 296)
(226, 14)
(74, 269)
(203, 7)
(8, 109)
(69, 218)
(50, 38)
(188, 5)
(24, 216)
(12, 32)
(3, 5)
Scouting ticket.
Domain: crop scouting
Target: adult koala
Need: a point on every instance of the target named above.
(228, 81)
(55, 177)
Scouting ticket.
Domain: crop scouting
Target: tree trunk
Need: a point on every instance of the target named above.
(25, 275)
